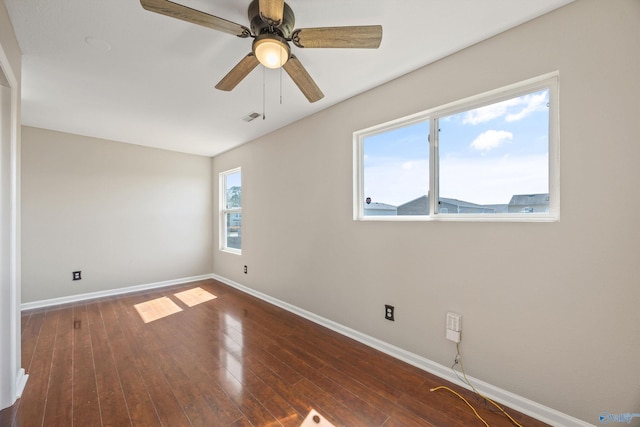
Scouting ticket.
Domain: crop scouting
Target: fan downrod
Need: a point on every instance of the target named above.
(260, 26)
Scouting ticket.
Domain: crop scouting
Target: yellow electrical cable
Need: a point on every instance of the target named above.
(465, 401)
(459, 359)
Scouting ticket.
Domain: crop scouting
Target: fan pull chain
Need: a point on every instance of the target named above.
(264, 93)
(281, 78)
(280, 85)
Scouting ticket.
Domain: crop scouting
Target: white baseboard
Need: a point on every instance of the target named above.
(110, 292)
(519, 403)
(21, 382)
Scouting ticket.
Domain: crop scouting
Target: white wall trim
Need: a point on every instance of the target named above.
(14, 348)
(21, 382)
(519, 403)
(110, 292)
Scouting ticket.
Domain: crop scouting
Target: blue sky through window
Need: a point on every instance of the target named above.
(487, 155)
(234, 180)
(233, 198)
(396, 164)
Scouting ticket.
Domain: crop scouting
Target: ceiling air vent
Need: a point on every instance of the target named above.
(251, 117)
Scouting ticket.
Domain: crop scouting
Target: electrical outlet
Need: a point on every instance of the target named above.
(245, 269)
(77, 275)
(454, 327)
(453, 336)
(454, 321)
(388, 312)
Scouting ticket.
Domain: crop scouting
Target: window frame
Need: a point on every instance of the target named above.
(547, 81)
(224, 211)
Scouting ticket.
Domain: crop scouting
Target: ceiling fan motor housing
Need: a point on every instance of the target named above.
(259, 26)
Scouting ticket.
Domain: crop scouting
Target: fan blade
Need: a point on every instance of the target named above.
(272, 11)
(175, 10)
(302, 79)
(361, 37)
(239, 72)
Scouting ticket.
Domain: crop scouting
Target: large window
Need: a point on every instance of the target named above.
(231, 211)
(489, 157)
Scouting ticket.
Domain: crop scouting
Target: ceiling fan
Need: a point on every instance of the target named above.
(272, 28)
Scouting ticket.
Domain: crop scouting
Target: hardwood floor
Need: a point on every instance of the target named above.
(223, 358)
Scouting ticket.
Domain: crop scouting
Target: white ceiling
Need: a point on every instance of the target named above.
(110, 69)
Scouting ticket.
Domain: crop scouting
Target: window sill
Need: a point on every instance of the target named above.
(462, 218)
(231, 251)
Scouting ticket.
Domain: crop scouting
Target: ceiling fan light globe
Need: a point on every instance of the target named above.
(271, 50)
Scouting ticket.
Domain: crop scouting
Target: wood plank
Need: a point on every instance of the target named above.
(250, 407)
(227, 349)
(113, 406)
(369, 393)
(402, 418)
(284, 371)
(298, 402)
(357, 406)
(194, 405)
(283, 412)
(241, 422)
(86, 408)
(336, 413)
(30, 335)
(142, 411)
(59, 409)
(199, 375)
(8, 415)
(169, 410)
(34, 397)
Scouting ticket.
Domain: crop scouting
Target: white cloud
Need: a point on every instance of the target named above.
(527, 104)
(490, 112)
(491, 139)
(532, 103)
(410, 165)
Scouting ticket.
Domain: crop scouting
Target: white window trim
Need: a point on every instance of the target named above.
(222, 180)
(549, 81)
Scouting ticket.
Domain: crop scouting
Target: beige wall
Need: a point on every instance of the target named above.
(8, 41)
(124, 215)
(551, 311)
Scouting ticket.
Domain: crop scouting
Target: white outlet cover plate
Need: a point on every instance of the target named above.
(453, 335)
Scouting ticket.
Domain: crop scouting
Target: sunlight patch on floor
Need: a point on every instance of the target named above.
(194, 296)
(316, 420)
(156, 309)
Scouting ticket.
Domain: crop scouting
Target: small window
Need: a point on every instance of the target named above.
(489, 157)
(231, 211)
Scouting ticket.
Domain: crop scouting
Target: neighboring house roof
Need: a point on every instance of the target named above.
(460, 203)
(455, 202)
(529, 199)
(378, 205)
(426, 198)
(501, 208)
(419, 206)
